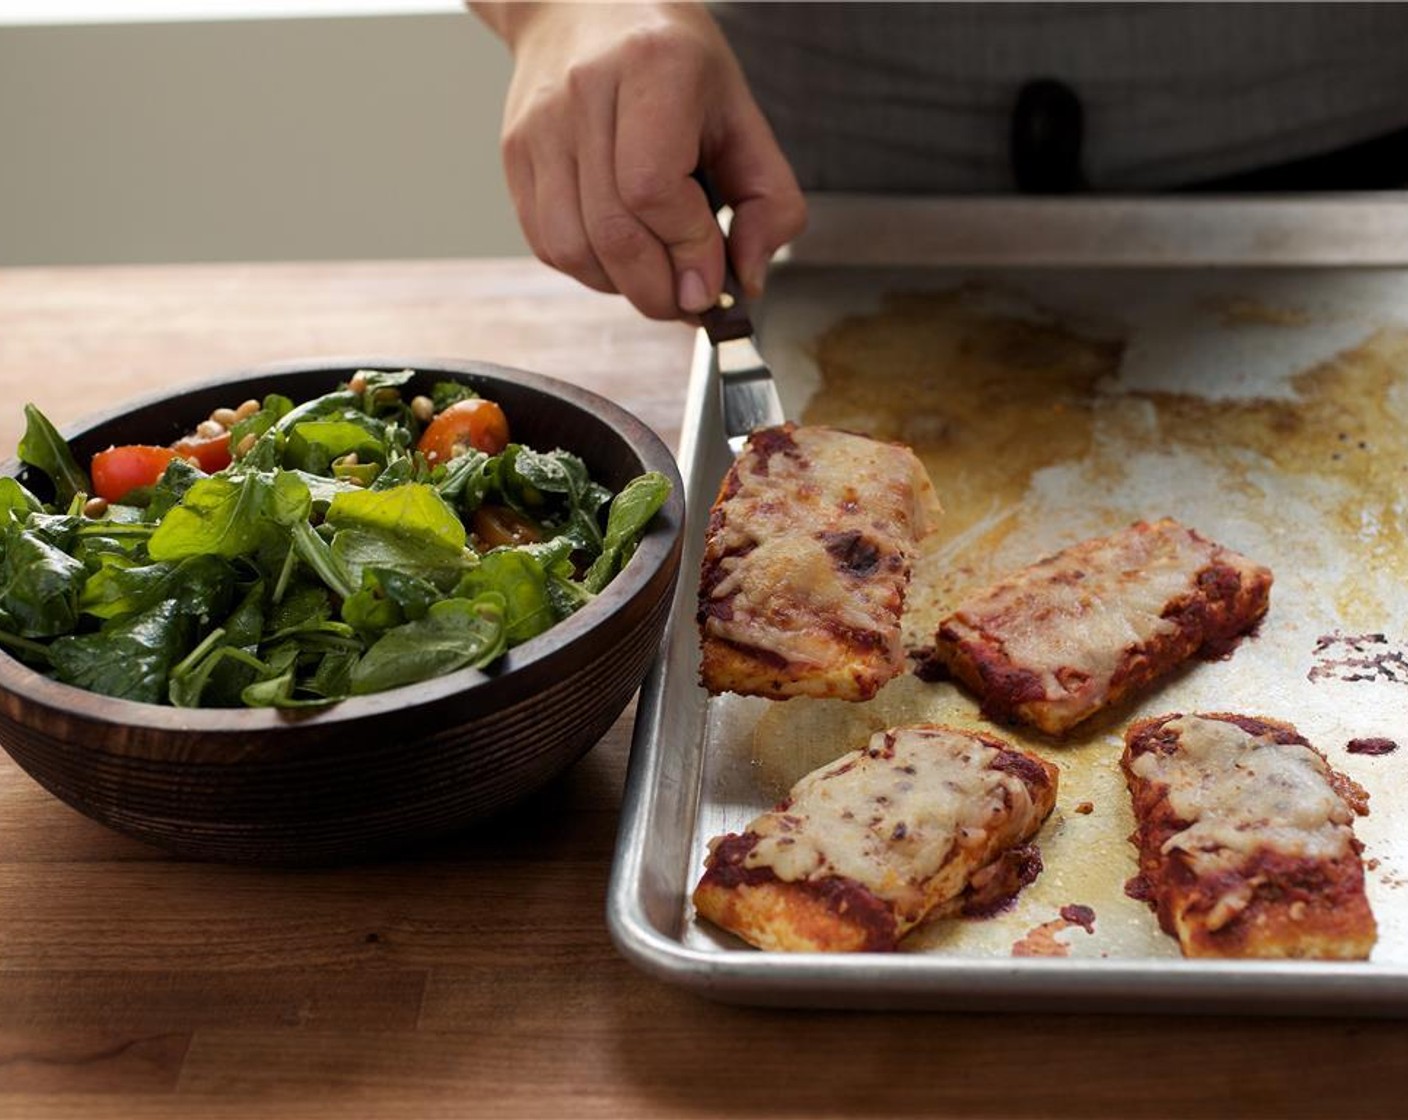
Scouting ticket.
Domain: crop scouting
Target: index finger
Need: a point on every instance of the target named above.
(656, 152)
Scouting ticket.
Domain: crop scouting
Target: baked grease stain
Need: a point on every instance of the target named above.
(988, 397)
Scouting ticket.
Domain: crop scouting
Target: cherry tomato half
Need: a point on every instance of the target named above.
(120, 470)
(212, 454)
(495, 526)
(473, 423)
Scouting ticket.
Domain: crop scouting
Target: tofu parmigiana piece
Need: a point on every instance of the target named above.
(810, 545)
(1081, 630)
(1246, 839)
(864, 849)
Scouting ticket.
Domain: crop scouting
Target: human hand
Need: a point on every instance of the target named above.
(611, 109)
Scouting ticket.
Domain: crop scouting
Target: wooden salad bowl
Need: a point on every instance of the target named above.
(374, 773)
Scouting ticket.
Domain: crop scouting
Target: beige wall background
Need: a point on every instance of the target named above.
(303, 139)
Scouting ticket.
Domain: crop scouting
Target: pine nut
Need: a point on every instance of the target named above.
(247, 409)
(224, 416)
(245, 445)
(423, 409)
(358, 383)
(209, 429)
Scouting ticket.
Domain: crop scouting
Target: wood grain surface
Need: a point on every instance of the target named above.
(476, 978)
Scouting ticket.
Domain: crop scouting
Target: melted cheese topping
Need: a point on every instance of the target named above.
(892, 815)
(1242, 793)
(1083, 608)
(786, 591)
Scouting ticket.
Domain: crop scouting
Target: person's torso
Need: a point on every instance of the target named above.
(919, 97)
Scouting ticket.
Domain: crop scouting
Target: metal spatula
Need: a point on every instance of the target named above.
(748, 393)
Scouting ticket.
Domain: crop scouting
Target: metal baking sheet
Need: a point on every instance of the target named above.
(1063, 370)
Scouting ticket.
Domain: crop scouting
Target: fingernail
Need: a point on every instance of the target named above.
(751, 277)
(693, 296)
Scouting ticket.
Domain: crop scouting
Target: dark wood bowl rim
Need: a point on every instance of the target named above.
(658, 547)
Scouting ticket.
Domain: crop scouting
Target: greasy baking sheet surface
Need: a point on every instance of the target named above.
(1267, 409)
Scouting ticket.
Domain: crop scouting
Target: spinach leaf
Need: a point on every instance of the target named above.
(332, 679)
(41, 446)
(371, 613)
(414, 512)
(357, 550)
(307, 604)
(631, 511)
(410, 528)
(199, 585)
(314, 444)
(57, 529)
(454, 634)
(39, 585)
(130, 658)
(245, 624)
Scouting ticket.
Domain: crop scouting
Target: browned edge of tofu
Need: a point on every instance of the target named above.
(1301, 908)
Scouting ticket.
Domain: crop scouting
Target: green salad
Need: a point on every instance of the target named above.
(291, 555)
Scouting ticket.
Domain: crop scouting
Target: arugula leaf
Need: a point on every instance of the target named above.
(400, 469)
(216, 680)
(465, 479)
(631, 511)
(273, 692)
(323, 560)
(321, 489)
(16, 503)
(218, 517)
(454, 634)
(264, 454)
(388, 598)
(445, 393)
(41, 446)
(517, 576)
(528, 478)
(386, 379)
